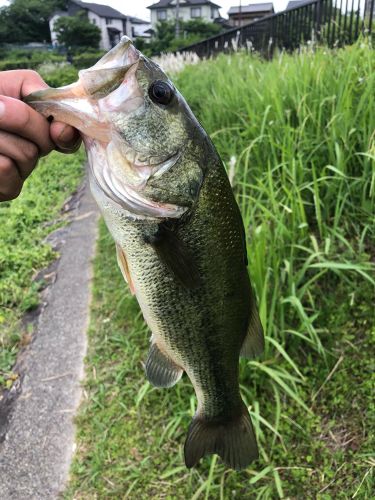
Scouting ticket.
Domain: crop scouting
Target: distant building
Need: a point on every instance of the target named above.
(138, 28)
(112, 23)
(297, 3)
(165, 10)
(238, 16)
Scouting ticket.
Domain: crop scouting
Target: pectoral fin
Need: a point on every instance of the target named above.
(175, 255)
(161, 371)
(123, 265)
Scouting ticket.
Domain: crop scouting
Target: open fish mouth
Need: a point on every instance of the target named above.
(107, 88)
(100, 90)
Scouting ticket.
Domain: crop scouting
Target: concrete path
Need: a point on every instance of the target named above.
(37, 433)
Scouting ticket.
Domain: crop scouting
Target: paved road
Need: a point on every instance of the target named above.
(38, 434)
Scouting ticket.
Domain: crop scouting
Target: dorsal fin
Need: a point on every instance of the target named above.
(253, 344)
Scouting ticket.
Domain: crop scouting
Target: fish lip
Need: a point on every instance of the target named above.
(130, 197)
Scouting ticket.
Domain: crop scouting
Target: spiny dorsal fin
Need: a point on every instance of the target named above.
(175, 255)
(253, 344)
(161, 371)
(233, 440)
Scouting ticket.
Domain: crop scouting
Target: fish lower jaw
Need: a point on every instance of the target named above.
(130, 198)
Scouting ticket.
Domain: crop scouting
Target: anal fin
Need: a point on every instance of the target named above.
(253, 344)
(161, 370)
(123, 265)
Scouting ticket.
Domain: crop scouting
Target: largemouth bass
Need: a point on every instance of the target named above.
(167, 201)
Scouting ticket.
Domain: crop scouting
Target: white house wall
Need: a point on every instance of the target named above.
(100, 22)
(184, 14)
(52, 21)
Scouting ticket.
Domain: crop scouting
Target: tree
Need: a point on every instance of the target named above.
(25, 21)
(191, 32)
(77, 31)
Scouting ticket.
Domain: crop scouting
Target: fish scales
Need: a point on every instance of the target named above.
(183, 319)
(180, 241)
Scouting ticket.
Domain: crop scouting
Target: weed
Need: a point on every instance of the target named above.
(298, 133)
(24, 224)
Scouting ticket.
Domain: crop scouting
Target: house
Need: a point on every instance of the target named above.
(165, 10)
(112, 23)
(138, 28)
(296, 3)
(238, 16)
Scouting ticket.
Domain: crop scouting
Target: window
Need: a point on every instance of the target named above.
(214, 13)
(161, 15)
(93, 21)
(108, 20)
(195, 12)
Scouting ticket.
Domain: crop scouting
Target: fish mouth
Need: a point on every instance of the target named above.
(124, 184)
(82, 104)
(110, 86)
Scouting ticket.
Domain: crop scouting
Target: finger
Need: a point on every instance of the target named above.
(18, 118)
(24, 153)
(19, 83)
(10, 180)
(66, 138)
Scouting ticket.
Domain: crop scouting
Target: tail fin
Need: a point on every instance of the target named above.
(233, 440)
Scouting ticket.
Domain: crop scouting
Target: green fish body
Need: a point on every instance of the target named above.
(168, 204)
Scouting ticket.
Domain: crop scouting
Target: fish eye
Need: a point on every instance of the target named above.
(160, 92)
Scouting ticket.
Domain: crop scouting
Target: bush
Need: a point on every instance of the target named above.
(23, 58)
(58, 75)
(87, 59)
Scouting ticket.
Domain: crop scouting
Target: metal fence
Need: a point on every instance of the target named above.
(333, 22)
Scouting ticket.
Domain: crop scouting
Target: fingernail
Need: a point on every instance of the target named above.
(2, 109)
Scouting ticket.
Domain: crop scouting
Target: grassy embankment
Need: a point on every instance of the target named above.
(24, 224)
(301, 129)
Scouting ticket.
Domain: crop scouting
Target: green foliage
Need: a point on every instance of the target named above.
(58, 75)
(28, 58)
(77, 31)
(86, 59)
(301, 134)
(24, 224)
(25, 21)
(191, 31)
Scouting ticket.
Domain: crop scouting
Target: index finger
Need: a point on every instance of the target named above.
(20, 83)
(20, 119)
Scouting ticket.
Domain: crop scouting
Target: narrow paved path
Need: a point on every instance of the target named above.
(39, 435)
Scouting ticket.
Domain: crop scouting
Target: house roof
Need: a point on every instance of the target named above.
(100, 10)
(136, 20)
(255, 7)
(183, 3)
(296, 3)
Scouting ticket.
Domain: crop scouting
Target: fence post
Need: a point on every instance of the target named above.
(371, 9)
(318, 19)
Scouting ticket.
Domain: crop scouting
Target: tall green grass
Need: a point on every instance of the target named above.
(24, 225)
(297, 135)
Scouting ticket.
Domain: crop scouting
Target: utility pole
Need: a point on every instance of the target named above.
(240, 20)
(177, 18)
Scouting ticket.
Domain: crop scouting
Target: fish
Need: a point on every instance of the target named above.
(180, 240)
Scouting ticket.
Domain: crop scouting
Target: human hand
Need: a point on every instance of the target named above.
(25, 135)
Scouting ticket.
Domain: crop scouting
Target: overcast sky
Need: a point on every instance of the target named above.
(138, 8)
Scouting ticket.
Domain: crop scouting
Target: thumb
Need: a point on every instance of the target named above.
(66, 138)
